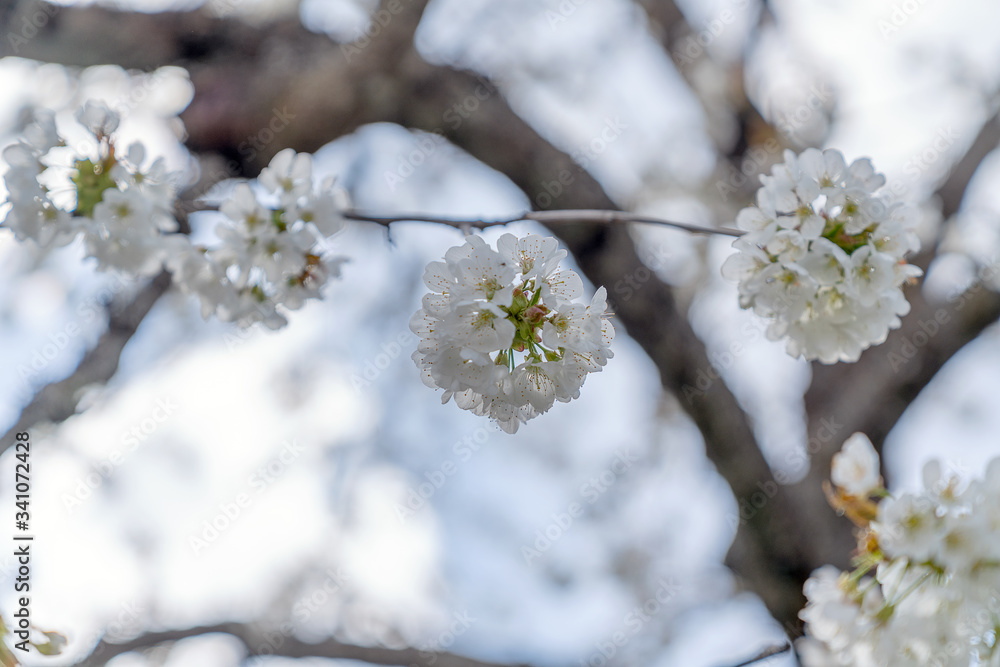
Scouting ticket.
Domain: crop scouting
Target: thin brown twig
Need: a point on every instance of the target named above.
(769, 652)
(544, 217)
(559, 217)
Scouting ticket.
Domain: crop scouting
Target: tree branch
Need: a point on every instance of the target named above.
(952, 191)
(282, 643)
(769, 652)
(94, 35)
(548, 218)
(552, 219)
(57, 401)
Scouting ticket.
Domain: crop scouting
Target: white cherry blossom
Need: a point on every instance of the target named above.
(499, 331)
(856, 466)
(925, 588)
(823, 256)
(267, 258)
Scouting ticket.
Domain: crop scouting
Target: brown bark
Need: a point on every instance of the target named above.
(283, 643)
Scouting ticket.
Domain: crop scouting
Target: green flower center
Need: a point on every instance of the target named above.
(91, 180)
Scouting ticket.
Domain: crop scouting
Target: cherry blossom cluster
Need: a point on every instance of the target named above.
(123, 212)
(926, 587)
(823, 256)
(267, 258)
(500, 332)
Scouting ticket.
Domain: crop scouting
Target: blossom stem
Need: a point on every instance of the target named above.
(912, 587)
(548, 218)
